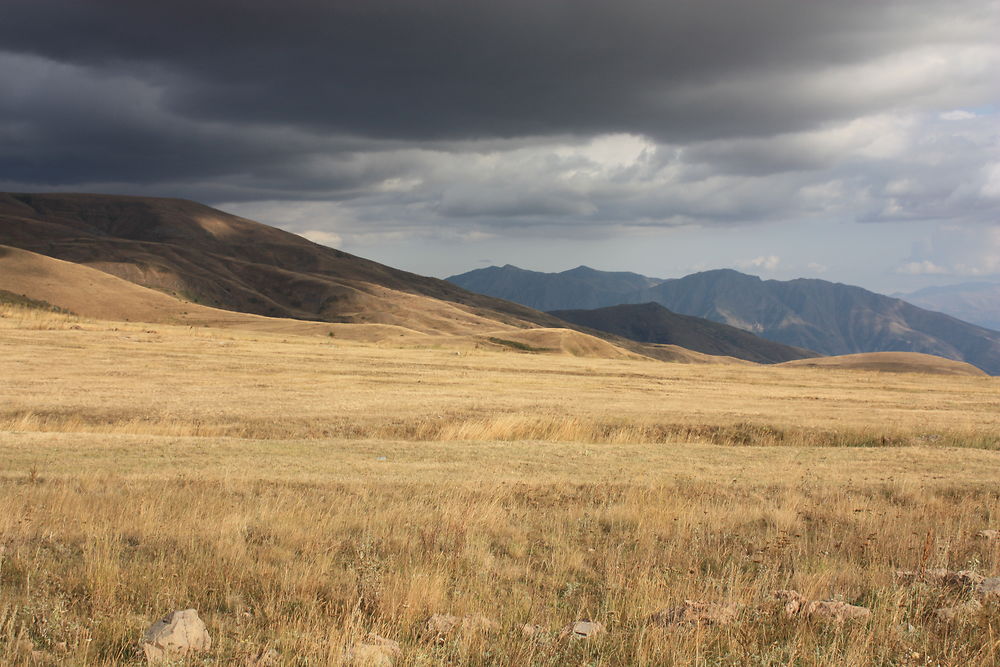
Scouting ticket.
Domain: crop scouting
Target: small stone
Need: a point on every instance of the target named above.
(439, 626)
(960, 613)
(989, 587)
(529, 631)
(269, 658)
(582, 630)
(24, 646)
(941, 577)
(374, 651)
(176, 636)
(696, 613)
(824, 610)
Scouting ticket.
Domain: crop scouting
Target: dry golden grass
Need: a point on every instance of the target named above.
(301, 492)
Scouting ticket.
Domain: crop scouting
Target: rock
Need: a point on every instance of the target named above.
(582, 630)
(960, 613)
(696, 613)
(268, 658)
(176, 636)
(941, 577)
(991, 535)
(822, 610)
(24, 646)
(439, 626)
(989, 588)
(374, 651)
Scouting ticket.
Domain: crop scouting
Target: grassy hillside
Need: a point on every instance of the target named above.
(209, 257)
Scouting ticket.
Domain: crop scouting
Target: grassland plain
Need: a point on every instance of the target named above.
(301, 492)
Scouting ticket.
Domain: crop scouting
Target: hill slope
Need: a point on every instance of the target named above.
(652, 323)
(220, 260)
(830, 318)
(892, 362)
(169, 260)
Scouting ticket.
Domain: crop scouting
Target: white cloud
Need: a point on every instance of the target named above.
(767, 262)
(923, 268)
(991, 187)
(323, 237)
(958, 114)
(816, 267)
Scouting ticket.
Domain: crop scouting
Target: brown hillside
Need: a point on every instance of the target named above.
(220, 260)
(202, 255)
(95, 294)
(894, 362)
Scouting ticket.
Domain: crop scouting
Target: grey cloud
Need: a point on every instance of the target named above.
(454, 69)
(415, 114)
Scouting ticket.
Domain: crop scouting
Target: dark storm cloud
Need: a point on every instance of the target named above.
(676, 71)
(491, 113)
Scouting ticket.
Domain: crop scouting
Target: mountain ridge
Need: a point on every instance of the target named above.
(829, 318)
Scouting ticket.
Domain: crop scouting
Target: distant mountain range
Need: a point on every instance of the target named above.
(978, 303)
(830, 318)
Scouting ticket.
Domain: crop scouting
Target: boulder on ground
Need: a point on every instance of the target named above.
(268, 658)
(174, 637)
(960, 613)
(439, 626)
(374, 651)
(989, 588)
(940, 577)
(535, 633)
(820, 610)
(582, 630)
(696, 613)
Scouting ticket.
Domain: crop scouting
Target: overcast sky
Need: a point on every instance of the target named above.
(853, 140)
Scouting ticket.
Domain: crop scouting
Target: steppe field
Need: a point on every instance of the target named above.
(302, 492)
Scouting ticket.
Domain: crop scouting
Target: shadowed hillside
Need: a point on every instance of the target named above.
(212, 258)
(176, 261)
(652, 323)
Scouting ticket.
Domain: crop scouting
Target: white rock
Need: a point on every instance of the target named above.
(176, 636)
(374, 651)
(582, 630)
(989, 587)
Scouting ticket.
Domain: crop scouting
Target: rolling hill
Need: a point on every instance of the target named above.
(652, 323)
(892, 362)
(830, 318)
(209, 257)
(176, 261)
